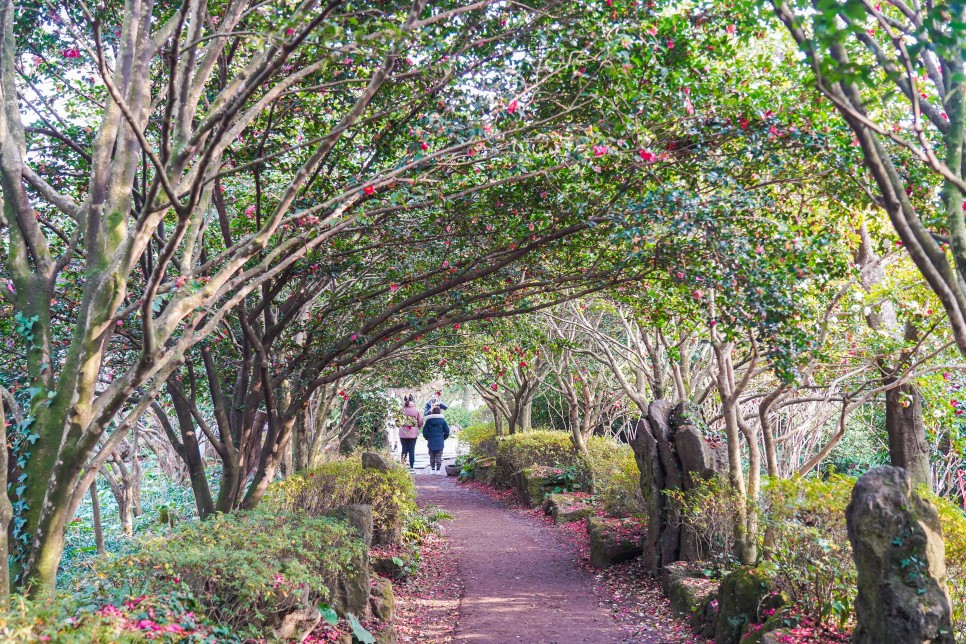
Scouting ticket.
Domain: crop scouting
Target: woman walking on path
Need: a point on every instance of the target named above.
(409, 430)
(435, 431)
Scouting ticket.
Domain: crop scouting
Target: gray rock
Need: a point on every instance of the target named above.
(899, 554)
(374, 461)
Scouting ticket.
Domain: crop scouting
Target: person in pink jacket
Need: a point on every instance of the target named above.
(409, 431)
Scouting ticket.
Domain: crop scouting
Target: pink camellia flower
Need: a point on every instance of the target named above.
(698, 295)
(369, 190)
(250, 211)
(495, 386)
(730, 30)
(445, 263)
(647, 156)
(394, 287)
(652, 31)
(680, 275)
(353, 337)
(670, 44)
(512, 107)
(688, 106)
(600, 150)
(289, 31)
(73, 52)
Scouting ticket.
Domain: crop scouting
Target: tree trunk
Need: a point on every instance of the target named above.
(6, 512)
(908, 447)
(98, 528)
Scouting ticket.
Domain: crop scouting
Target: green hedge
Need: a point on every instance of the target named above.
(245, 568)
(317, 492)
(617, 481)
(539, 447)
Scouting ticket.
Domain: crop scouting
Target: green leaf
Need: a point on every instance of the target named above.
(359, 631)
(328, 614)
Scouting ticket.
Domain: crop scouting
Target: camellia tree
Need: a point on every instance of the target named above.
(895, 72)
(176, 170)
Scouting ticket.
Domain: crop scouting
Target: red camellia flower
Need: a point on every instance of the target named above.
(369, 190)
(456, 326)
(495, 386)
(424, 146)
(600, 150)
(512, 107)
(670, 44)
(647, 156)
(73, 52)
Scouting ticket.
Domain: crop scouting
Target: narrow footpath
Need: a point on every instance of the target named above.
(521, 584)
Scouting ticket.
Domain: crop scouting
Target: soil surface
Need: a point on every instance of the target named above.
(521, 584)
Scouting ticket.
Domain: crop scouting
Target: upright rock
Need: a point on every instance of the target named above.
(899, 553)
(672, 454)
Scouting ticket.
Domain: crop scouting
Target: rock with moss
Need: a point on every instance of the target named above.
(531, 485)
(897, 545)
(381, 600)
(743, 597)
(567, 508)
(351, 592)
(613, 541)
(393, 567)
(484, 469)
(691, 594)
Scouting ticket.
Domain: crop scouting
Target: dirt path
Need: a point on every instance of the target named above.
(520, 584)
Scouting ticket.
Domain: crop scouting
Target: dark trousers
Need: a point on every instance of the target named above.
(435, 458)
(409, 448)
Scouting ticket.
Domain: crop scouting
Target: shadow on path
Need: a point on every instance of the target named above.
(521, 585)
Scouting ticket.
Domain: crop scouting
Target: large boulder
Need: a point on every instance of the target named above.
(567, 508)
(648, 460)
(899, 555)
(613, 541)
(298, 624)
(374, 461)
(743, 598)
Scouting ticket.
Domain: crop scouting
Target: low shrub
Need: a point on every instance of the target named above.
(539, 447)
(481, 439)
(164, 618)
(246, 568)
(807, 547)
(616, 479)
(318, 491)
(709, 513)
(953, 521)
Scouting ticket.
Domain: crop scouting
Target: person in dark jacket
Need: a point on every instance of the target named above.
(435, 431)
